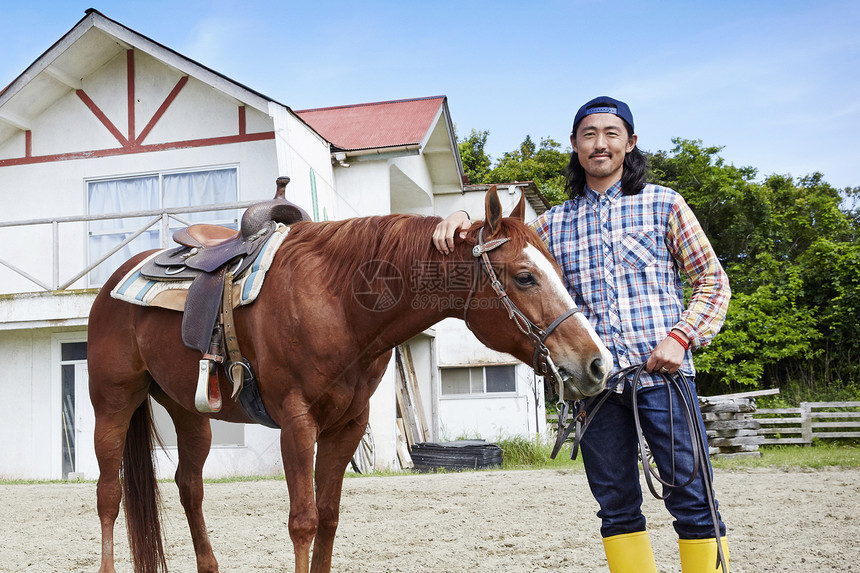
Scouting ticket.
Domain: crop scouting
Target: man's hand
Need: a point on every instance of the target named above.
(443, 236)
(667, 357)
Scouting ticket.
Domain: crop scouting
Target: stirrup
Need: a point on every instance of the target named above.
(207, 398)
(236, 376)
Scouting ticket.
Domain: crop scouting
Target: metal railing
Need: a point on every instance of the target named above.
(157, 215)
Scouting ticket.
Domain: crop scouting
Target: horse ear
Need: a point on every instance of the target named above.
(492, 212)
(519, 211)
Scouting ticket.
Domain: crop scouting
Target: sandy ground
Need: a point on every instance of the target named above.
(476, 522)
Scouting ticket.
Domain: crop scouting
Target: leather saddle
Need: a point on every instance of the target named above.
(208, 253)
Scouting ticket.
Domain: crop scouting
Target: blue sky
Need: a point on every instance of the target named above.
(776, 82)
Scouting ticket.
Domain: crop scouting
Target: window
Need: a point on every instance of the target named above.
(479, 380)
(152, 192)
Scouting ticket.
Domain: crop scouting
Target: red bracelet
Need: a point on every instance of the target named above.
(680, 340)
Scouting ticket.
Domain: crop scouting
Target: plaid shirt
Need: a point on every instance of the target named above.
(621, 255)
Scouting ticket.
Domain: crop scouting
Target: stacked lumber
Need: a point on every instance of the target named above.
(456, 456)
(412, 425)
(414, 448)
(732, 431)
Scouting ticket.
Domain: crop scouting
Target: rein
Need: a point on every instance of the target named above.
(541, 362)
(581, 422)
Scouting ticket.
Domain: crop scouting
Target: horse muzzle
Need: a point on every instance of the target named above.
(576, 383)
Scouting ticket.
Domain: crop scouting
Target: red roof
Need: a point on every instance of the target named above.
(375, 125)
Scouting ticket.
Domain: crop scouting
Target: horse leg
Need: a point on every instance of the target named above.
(334, 452)
(109, 443)
(297, 450)
(109, 440)
(194, 438)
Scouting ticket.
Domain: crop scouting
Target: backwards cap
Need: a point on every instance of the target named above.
(604, 104)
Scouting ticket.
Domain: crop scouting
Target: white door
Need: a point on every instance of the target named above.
(85, 425)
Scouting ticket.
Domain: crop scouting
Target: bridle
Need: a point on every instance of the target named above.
(541, 362)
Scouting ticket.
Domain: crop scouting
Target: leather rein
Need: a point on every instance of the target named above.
(700, 456)
(541, 362)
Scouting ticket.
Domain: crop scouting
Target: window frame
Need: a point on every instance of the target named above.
(484, 393)
(56, 392)
(160, 175)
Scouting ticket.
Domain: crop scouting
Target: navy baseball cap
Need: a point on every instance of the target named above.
(604, 104)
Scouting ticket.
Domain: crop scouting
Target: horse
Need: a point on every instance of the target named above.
(319, 342)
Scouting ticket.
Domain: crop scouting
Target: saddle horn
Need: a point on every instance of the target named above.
(278, 209)
(282, 183)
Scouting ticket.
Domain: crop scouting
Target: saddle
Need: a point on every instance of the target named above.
(210, 256)
(208, 252)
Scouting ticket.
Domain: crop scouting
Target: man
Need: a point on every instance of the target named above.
(621, 244)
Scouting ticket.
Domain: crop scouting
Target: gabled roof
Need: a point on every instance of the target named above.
(92, 42)
(376, 125)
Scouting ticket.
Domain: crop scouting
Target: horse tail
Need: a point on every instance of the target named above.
(140, 490)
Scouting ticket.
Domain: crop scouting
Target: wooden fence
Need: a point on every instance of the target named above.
(812, 420)
(737, 428)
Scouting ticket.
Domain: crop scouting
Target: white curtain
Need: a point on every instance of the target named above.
(150, 193)
(202, 188)
(118, 196)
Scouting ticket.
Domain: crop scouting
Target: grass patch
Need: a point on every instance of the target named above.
(235, 479)
(522, 453)
(534, 454)
(792, 457)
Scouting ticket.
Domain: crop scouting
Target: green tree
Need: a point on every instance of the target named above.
(788, 248)
(763, 329)
(731, 208)
(544, 164)
(831, 275)
(803, 212)
(476, 162)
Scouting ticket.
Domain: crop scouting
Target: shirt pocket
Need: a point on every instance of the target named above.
(639, 249)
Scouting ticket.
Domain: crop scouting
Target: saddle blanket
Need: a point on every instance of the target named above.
(139, 290)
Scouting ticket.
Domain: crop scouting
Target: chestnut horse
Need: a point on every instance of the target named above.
(319, 340)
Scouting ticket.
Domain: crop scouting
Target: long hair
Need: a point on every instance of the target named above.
(632, 178)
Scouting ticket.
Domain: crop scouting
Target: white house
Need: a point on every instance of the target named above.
(109, 140)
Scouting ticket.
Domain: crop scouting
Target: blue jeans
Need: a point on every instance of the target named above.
(609, 450)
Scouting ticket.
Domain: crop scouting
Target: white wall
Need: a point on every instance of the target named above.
(304, 150)
(488, 416)
(58, 188)
(473, 202)
(260, 455)
(424, 358)
(30, 443)
(363, 189)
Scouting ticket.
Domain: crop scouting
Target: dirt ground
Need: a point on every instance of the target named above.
(500, 521)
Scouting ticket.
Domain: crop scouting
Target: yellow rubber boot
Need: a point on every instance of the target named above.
(700, 555)
(629, 553)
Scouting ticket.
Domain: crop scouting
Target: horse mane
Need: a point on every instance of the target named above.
(333, 251)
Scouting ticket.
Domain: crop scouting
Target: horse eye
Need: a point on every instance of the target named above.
(525, 279)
